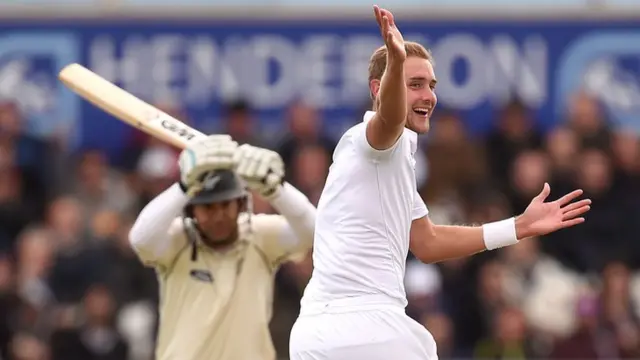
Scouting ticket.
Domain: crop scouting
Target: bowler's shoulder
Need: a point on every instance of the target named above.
(353, 132)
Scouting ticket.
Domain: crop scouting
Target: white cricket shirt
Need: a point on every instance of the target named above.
(363, 221)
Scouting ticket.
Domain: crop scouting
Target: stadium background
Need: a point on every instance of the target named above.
(530, 91)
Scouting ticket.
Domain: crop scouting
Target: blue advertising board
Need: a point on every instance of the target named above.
(200, 64)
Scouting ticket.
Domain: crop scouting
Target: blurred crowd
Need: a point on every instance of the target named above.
(71, 288)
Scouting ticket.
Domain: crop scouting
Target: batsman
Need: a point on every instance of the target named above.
(215, 260)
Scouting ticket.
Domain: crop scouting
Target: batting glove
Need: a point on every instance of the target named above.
(261, 169)
(200, 157)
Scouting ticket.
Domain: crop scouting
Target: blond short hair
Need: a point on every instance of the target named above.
(378, 61)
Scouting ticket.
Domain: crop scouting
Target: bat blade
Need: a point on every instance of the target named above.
(127, 107)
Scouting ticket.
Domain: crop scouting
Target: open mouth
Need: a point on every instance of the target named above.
(421, 111)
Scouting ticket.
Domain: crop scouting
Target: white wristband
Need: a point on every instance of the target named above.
(499, 234)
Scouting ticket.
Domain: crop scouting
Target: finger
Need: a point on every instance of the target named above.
(240, 159)
(263, 166)
(575, 213)
(277, 166)
(376, 12)
(572, 222)
(390, 39)
(546, 190)
(576, 205)
(225, 156)
(389, 15)
(253, 163)
(272, 180)
(237, 156)
(386, 28)
(569, 197)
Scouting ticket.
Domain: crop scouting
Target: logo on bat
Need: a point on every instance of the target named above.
(174, 126)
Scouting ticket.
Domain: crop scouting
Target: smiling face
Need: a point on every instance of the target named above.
(421, 97)
(420, 81)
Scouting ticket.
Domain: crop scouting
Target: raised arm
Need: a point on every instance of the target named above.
(433, 243)
(292, 232)
(389, 92)
(300, 214)
(157, 234)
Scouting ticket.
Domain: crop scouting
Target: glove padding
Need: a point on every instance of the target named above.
(202, 156)
(261, 169)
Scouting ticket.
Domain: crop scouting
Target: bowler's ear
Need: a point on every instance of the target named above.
(374, 88)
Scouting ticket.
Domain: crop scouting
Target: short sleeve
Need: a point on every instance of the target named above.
(419, 207)
(359, 136)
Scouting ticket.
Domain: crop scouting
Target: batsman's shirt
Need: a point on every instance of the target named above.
(363, 222)
(217, 305)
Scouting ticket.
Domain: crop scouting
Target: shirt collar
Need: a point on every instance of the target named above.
(368, 115)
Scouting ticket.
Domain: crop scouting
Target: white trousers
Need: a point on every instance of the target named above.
(382, 333)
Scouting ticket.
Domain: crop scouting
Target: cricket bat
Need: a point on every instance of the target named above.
(126, 107)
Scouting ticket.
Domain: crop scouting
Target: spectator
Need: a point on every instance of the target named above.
(513, 134)
(589, 341)
(563, 147)
(508, 339)
(96, 338)
(17, 210)
(310, 169)
(25, 346)
(449, 140)
(238, 121)
(305, 128)
(441, 327)
(33, 157)
(542, 287)
(99, 186)
(586, 117)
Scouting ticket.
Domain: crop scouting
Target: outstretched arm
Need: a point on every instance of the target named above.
(433, 243)
(387, 125)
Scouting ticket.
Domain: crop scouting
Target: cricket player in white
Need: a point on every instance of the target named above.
(370, 215)
(214, 259)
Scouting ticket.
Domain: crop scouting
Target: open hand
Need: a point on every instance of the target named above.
(390, 34)
(541, 218)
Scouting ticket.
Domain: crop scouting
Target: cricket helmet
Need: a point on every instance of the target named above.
(219, 186)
